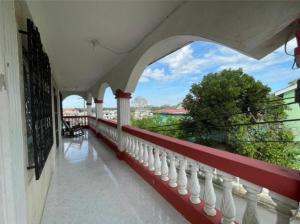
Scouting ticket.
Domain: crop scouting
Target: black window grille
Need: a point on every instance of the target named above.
(38, 105)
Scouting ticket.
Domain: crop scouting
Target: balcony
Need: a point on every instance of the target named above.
(203, 184)
(115, 172)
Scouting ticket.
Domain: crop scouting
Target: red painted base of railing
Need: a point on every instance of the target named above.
(193, 213)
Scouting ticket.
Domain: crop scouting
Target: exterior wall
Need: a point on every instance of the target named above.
(293, 112)
(12, 167)
(35, 190)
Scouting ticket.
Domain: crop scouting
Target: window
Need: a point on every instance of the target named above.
(38, 105)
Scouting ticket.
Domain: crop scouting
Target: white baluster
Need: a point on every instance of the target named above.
(194, 186)
(172, 171)
(136, 149)
(126, 142)
(146, 154)
(209, 193)
(132, 147)
(151, 159)
(164, 167)
(141, 155)
(284, 207)
(227, 204)
(129, 145)
(157, 163)
(250, 214)
(182, 179)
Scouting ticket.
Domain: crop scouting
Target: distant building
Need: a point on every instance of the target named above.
(172, 111)
(293, 111)
(110, 114)
(140, 114)
(73, 112)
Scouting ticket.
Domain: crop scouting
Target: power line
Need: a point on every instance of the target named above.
(232, 125)
(230, 115)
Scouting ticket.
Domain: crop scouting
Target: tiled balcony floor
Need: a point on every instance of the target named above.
(90, 185)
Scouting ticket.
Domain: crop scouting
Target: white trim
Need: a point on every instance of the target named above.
(289, 88)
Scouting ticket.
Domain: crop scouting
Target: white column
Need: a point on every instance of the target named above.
(123, 106)
(99, 108)
(89, 109)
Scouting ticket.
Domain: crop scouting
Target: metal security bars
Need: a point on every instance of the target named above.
(38, 106)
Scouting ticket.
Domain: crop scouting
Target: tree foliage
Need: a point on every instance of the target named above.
(226, 107)
(161, 125)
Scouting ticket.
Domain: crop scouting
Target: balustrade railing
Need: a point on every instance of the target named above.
(198, 172)
(108, 129)
(77, 120)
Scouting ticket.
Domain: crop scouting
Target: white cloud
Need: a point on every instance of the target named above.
(155, 74)
(183, 63)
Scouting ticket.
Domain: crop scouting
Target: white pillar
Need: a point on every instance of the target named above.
(123, 106)
(99, 108)
(89, 109)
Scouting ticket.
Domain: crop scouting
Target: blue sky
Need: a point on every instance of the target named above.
(168, 80)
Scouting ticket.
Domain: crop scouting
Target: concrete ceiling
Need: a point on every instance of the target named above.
(94, 42)
(85, 40)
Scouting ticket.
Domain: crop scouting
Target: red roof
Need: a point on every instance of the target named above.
(172, 111)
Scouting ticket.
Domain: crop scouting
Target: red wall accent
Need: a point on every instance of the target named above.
(278, 179)
(98, 101)
(121, 94)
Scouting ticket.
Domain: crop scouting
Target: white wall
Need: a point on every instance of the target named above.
(22, 198)
(36, 190)
(12, 167)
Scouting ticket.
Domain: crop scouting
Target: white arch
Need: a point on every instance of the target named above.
(65, 94)
(101, 91)
(232, 24)
(156, 52)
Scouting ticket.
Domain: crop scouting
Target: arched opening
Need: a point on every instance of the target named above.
(74, 105)
(168, 81)
(109, 104)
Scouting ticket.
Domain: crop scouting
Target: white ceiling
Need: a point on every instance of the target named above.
(67, 28)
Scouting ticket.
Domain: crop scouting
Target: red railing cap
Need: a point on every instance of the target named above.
(108, 122)
(83, 116)
(278, 179)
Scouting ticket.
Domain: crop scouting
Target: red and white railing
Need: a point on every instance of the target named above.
(77, 120)
(194, 177)
(108, 129)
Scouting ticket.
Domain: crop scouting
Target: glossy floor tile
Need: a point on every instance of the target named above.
(90, 185)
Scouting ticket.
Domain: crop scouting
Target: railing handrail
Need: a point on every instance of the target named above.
(108, 122)
(275, 178)
(79, 116)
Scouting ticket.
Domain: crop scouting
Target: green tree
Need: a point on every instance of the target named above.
(225, 108)
(170, 126)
